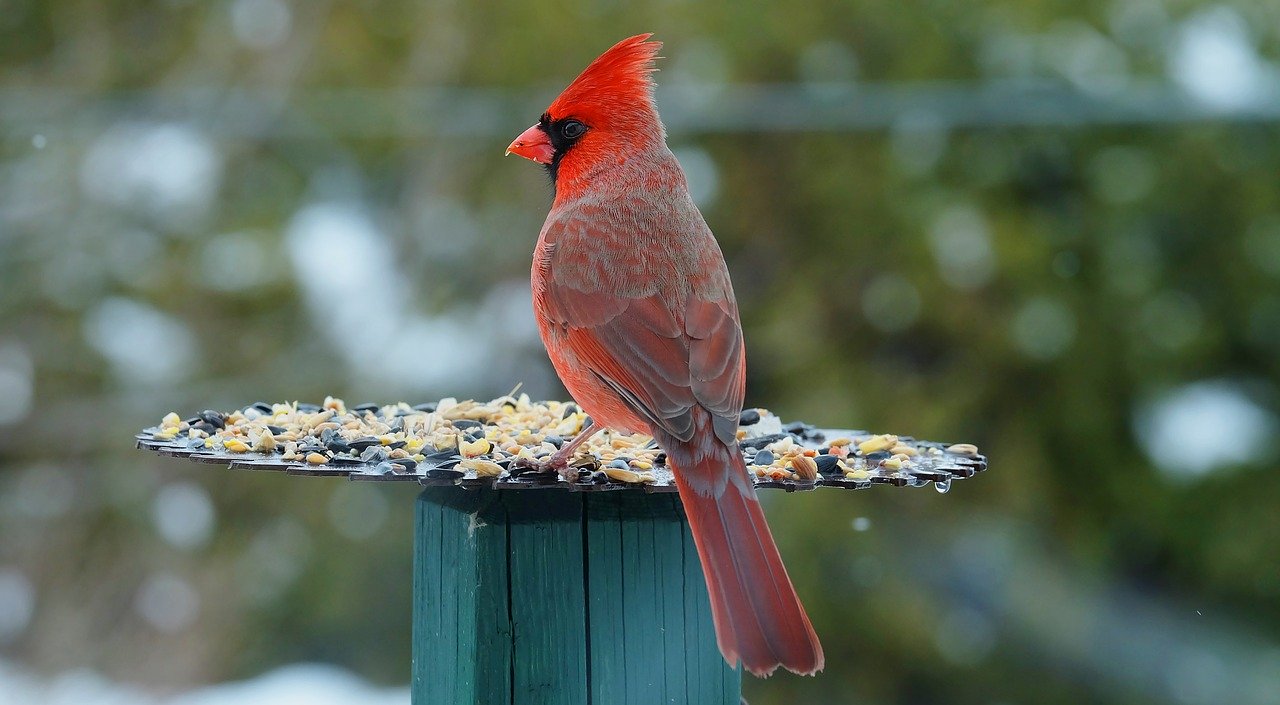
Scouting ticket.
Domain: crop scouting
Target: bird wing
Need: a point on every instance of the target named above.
(663, 354)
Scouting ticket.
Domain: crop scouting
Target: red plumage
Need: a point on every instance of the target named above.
(634, 303)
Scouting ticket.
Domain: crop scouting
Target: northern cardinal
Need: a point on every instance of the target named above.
(634, 304)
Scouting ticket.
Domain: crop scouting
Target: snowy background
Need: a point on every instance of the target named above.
(1049, 229)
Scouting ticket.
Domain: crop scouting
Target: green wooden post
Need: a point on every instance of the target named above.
(547, 597)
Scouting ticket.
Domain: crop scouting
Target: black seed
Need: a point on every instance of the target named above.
(762, 441)
(407, 462)
(309, 408)
(337, 445)
(554, 440)
(827, 464)
(373, 454)
(260, 406)
(327, 435)
(398, 444)
(361, 443)
(366, 407)
(312, 449)
(618, 463)
(879, 455)
(206, 427)
(275, 430)
(797, 427)
(397, 424)
(749, 417)
(528, 473)
(569, 410)
(427, 407)
(599, 477)
(213, 418)
(764, 457)
(587, 421)
(660, 459)
(441, 456)
(462, 424)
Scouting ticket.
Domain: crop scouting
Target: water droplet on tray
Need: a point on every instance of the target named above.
(942, 486)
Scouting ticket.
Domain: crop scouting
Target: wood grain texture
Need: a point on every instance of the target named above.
(557, 598)
(461, 626)
(548, 602)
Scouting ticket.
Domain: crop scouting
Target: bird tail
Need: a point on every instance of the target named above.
(758, 617)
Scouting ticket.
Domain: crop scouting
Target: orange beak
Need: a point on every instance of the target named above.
(533, 144)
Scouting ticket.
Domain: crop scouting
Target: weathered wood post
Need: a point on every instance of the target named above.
(561, 598)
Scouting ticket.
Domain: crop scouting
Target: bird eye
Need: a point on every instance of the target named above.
(572, 129)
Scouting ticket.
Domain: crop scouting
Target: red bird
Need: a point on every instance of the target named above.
(634, 304)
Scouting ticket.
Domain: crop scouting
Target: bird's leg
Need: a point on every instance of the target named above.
(559, 461)
(565, 454)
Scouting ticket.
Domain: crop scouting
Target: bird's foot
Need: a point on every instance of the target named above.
(554, 463)
(561, 460)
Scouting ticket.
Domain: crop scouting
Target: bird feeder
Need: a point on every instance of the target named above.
(530, 588)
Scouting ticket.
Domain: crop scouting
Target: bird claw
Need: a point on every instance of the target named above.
(548, 465)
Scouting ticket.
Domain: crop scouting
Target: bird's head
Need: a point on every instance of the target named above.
(604, 116)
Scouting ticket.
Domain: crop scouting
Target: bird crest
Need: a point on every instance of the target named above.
(623, 75)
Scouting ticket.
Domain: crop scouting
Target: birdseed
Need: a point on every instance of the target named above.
(479, 443)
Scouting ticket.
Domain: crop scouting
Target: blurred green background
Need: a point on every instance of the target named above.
(1048, 228)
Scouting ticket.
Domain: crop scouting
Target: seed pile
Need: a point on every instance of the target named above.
(469, 442)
